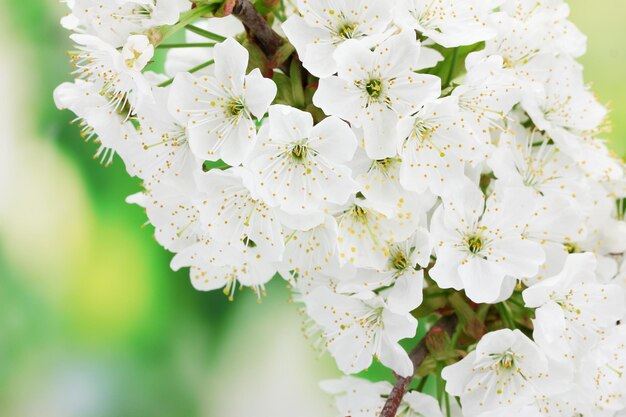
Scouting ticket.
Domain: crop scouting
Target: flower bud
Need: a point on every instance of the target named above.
(438, 341)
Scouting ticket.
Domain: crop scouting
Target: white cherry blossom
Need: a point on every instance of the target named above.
(300, 167)
(375, 89)
(98, 121)
(480, 246)
(528, 159)
(324, 25)
(601, 374)
(565, 103)
(488, 93)
(505, 371)
(232, 212)
(401, 280)
(380, 182)
(360, 327)
(573, 309)
(114, 21)
(439, 142)
(117, 73)
(309, 250)
(214, 265)
(164, 152)
(220, 110)
(365, 234)
(448, 22)
(173, 212)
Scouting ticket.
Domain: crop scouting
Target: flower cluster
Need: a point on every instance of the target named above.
(392, 161)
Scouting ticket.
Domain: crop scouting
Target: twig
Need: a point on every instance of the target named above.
(417, 355)
(267, 39)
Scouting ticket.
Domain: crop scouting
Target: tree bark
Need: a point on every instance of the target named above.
(417, 355)
(266, 38)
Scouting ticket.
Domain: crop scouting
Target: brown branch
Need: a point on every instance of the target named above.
(266, 38)
(417, 355)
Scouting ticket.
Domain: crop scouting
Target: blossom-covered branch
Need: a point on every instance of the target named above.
(393, 162)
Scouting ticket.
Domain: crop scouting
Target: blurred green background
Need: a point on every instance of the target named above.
(92, 320)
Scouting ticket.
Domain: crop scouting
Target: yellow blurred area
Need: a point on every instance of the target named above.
(604, 23)
(111, 274)
(92, 320)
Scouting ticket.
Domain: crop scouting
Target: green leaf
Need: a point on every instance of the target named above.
(258, 59)
(453, 64)
(431, 303)
(297, 89)
(283, 83)
(209, 165)
(316, 112)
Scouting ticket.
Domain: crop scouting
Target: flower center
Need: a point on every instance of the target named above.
(374, 88)
(299, 152)
(399, 261)
(359, 213)
(130, 62)
(507, 360)
(475, 244)
(347, 30)
(384, 164)
(235, 108)
(420, 128)
(571, 247)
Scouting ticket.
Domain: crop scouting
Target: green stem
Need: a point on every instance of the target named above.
(455, 56)
(456, 335)
(448, 411)
(187, 45)
(191, 71)
(440, 383)
(436, 294)
(505, 315)
(185, 19)
(422, 384)
(280, 12)
(517, 303)
(205, 33)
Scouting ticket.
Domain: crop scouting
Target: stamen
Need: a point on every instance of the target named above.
(347, 31)
(374, 88)
(475, 244)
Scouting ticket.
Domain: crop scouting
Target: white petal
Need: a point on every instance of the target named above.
(381, 132)
(231, 61)
(333, 139)
(482, 279)
(259, 93)
(458, 375)
(337, 98)
(407, 293)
